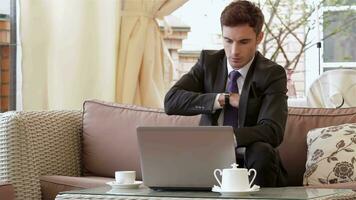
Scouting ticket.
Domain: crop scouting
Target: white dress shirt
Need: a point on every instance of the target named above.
(240, 83)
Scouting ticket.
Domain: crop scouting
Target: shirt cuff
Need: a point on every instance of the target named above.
(216, 103)
(235, 142)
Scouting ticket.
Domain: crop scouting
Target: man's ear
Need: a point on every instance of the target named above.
(260, 37)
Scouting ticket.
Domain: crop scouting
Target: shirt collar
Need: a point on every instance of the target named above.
(243, 70)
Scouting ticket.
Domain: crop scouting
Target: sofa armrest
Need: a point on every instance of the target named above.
(38, 143)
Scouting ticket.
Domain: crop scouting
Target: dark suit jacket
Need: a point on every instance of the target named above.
(263, 101)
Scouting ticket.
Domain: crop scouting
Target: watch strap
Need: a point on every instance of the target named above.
(227, 98)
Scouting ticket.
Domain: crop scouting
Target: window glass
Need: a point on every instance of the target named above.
(339, 2)
(340, 36)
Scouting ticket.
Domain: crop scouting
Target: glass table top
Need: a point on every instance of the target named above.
(286, 193)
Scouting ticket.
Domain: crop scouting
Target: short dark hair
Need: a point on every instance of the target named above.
(242, 12)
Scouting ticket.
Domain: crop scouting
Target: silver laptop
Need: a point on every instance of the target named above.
(184, 157)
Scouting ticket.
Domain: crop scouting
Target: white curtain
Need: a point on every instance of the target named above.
(69, 52)
(110, 50)
(140, 73)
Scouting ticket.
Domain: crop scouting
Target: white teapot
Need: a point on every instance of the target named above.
(235, 179)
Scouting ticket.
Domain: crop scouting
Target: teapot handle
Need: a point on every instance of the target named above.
(216, 177)
(254, 175)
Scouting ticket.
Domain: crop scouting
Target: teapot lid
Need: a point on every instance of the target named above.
(234, 166)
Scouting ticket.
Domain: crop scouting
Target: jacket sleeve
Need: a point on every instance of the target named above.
(187, 96)
(272, 115)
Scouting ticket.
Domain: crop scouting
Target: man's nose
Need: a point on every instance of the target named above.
(234, 49)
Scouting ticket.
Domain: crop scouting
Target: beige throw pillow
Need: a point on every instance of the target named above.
(331, 155)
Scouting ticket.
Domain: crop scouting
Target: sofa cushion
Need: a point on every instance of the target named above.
(109, 135)
(52, 185)
(331, 155)
(293, 149)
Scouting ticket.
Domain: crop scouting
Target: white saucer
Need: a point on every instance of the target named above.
(254, 188)
(115, 185)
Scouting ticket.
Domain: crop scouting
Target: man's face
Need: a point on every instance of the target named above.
(240, 43)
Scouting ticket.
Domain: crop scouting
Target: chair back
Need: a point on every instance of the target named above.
(333, 89)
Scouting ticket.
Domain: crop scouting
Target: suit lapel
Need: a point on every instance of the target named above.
(221, 76)
(220, 84)
(245, 92)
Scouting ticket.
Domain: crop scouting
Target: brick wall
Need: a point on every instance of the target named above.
(4, 64)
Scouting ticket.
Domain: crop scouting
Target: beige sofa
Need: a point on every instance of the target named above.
(45, 152)
(6, 191)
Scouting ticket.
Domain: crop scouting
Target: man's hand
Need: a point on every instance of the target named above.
(234, 100)
(221, 100)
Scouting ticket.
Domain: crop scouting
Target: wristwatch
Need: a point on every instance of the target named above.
(227, 98)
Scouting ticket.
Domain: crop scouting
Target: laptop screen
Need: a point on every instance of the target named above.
(184, 157)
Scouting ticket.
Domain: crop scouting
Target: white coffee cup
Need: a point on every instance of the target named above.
(235, 179)
(125, 177)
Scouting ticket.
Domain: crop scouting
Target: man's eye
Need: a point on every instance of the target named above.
(228, 41)
(244, 41)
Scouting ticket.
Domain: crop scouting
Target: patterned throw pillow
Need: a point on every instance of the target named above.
(331, 155)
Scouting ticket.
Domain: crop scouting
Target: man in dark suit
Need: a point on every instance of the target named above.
(239, 87)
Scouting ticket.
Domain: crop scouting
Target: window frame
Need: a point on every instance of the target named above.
(13, 55)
